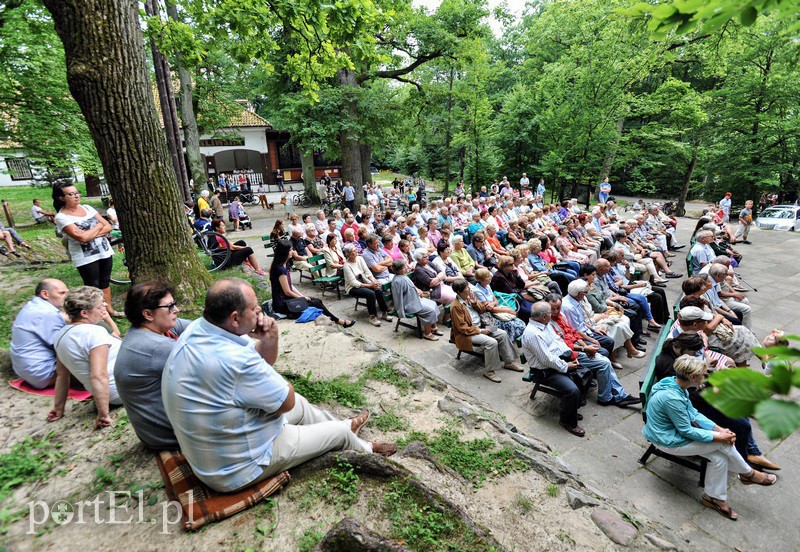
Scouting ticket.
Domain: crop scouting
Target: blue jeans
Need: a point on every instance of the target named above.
(608, 385)
(641, 300)
(602, 197)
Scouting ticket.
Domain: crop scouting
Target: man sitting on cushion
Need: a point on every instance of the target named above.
(237, 420)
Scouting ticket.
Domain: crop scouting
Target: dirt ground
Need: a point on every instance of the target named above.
(517, 509)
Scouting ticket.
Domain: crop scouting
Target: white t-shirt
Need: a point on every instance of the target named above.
(36, 213)
(89, 252)
(73, 345)
(112, 214)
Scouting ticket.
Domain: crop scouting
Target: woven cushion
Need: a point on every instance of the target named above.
(200, 504)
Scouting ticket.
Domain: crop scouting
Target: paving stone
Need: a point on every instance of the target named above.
(658, 542)
(371, 347)
(614, 527)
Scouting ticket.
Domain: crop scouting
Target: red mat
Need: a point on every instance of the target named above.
(76, 394)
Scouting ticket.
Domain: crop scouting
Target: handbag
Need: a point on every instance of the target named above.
(296, 305)
(723, 333)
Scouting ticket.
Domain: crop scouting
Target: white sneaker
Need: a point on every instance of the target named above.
(374, 321)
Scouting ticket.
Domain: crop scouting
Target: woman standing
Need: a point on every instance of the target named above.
(85, 232)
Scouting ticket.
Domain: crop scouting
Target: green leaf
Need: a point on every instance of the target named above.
(778, 418)
(781, 379)
(721, 376)
(663, 11)
(737, 395)
(748, 16)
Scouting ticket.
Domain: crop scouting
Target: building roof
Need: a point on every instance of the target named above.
(247, 117)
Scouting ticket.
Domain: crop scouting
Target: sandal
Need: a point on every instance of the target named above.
(360, 421)
(436, 332)
(348, 324)
(768, 479)
(430, 337)
(714, 505)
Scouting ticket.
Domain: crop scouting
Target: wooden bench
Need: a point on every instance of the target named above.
(646, 382)
(402, 322)
(318, 265)
(268, 246)
(535, 376)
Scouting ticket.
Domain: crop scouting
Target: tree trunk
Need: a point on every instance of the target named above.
(309, 180)
(687, 176)
(608, 162)
(106, 72)
(169, 111)
(191, 134)
(366, 163)
(448, 135)
(349, 142)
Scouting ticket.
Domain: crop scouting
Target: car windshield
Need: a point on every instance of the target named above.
(778, 213)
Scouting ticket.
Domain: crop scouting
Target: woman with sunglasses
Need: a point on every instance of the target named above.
(151, 309)
(85, 233)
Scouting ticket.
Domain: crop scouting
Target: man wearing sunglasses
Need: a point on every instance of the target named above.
(150, 307)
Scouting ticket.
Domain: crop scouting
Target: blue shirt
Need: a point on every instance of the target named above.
(33, 334)
(349, 193)
(670, 415)
(372, 257)
(220, 397)
(572, 310)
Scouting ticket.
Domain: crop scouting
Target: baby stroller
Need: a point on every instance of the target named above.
(244, 219)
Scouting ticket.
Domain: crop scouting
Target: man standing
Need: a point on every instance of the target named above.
(524, 182)
(237, 420)
(605, 191)
(540, 189)
(349, 194)
(216, 205)
(725, 205)
(745, 222)
(33, 333)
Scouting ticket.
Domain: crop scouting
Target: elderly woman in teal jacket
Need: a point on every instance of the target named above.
(674, 425)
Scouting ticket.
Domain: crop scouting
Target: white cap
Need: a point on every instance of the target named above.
(694, 313)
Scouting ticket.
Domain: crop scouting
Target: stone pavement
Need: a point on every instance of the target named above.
(608, 455)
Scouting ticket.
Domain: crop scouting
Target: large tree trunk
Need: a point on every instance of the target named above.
(366, 163)
(448, 135)
(349, 142)
(107, 76)
(608, 162)
(309, 180)
(191, 134)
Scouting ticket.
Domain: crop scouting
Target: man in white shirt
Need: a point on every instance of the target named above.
(524, 182)
(40, 215)
(701, 252)
(33, 334)
(725, 205)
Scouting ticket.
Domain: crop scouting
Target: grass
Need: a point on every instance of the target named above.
(384, 371)
(339, 389)
(476, 460)
(553, 490)
(420, 526)
(309, 539)
(20, 200)
(389, 421)
(29, 460)
(523, 503)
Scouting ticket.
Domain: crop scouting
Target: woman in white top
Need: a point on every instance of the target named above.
(360, 283)
(85, 232)
(87, 352)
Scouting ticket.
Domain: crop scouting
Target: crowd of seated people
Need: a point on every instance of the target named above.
(575, 288)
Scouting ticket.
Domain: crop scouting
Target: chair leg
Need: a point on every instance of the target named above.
(650, 451)
(397, 326)
(419, 327)
(703, 465)
(535, 390)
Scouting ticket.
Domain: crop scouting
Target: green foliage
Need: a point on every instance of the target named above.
(339, 389)
(415, 522)
(523, 503)
(553, 490)
(338, 486)
(32, 459)
(384, 371)
(742, 392)
(477, 460)
(309, 539)
(389, 421)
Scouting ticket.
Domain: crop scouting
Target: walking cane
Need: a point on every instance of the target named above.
(746, 282)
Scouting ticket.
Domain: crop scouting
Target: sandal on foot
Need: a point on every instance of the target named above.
(766, 480)
(436, 332)
(349, 323)
(491, 376)
(359, 421)
(430, 337)
(714, 505)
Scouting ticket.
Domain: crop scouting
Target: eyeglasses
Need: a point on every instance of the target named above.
(171, 307)
(73, 194)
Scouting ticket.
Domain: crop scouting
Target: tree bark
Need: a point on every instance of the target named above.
(448, 134)
(366, 163)
(349, 141)
(608, 162)
(687, 176)
(191, 134)
(106, 72)
(169, 111)
(309, 180)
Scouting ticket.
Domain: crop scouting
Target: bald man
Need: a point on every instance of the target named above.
(33, 356)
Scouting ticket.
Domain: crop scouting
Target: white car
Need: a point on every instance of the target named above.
(780, 217)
